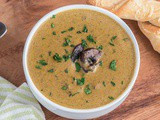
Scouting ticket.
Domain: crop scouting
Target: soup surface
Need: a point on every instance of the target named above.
(65, 82)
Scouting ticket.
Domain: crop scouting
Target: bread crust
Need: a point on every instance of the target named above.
(152, 33)
(139, 10)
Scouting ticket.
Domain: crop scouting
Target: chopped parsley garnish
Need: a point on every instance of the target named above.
(100, 63)
(112, 40)
(100, 47)
(43, 38)
(66, 57)
(65, 87)
(78, 67)
(52, 25)
(49, 53)
(57, 58)
(50, 94)
(67, 42)
(85, 29)
(79, 32)
(43, 62)
(111, 98)
(90, 39)
(81, 81)
(51, 70)
(113, 65)
(53, 16)
(104, 84)
(74, 94)
(53, 33)
(66, 70)
(87, 89)
(84, 43)
(71, 28)
(66, 51)
(72, 45)
(113, 84)
(125, 39)
(38, 67)
(41, 56)
(122, 82)
(69, 36)
(63, 31)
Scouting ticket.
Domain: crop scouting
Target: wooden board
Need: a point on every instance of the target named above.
(21, 15)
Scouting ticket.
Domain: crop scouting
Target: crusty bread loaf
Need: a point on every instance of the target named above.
(140, 10)
(152, 32)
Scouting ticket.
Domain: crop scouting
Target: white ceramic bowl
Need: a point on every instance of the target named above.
(80, 113)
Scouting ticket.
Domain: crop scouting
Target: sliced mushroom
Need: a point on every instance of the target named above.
(89, 59)
(76, 51)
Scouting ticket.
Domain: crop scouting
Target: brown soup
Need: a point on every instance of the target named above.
(89, 81)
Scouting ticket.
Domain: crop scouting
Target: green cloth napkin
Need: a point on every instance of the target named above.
(18, 103)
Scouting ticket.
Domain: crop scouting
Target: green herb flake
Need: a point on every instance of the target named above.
(66, 70)
(52, 25)
(78, 67)
(43, 62)
(69, 36)
(53, 16)
(57, 57)
(49, 53)
(50, 94)
(85, 29)
(87, 101)
(63, 31)
(122, 82)
(111, 98)
(90, 39)
(84, 43)
(66, 57)
(100, 63)
(79, 32)
(104, 84)
(71, 28)
(43, 38)
(100, 47)
(72, 45)
(65, 87)
(125, 39)
(81, 81)
(87, 89)
(53, 33)
(74, 94)
(112, 40)
(66, 51)
(67, 42)
(51, 71)
(38, 67)
(112, 83)
(113, 65)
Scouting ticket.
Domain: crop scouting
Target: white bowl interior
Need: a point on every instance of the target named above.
(54, 12)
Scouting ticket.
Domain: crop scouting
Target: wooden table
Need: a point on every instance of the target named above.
(21, 15)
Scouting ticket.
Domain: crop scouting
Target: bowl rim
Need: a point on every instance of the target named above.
(89, 7)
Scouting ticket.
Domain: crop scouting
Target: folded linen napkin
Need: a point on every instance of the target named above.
(18, 103)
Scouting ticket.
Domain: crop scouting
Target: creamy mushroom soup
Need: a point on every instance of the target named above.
(81, 59)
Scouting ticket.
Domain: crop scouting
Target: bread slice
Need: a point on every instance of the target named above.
(152, 33)
(140, 10)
